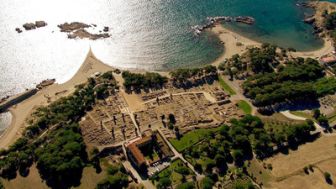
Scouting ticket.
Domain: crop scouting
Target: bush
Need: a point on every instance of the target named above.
(207, 183)
(118, 181)
(182, 170)
(187, 185)
(164, 183)
(327, 175)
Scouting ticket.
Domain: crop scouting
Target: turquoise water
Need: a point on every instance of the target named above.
(277, 22)
(146, 34)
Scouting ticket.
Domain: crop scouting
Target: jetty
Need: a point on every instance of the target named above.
(212, 21)
(9, 101)
(13, 100)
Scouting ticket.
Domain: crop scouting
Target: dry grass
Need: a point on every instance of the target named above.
(90, 178)
(288, 169)
(33, 179)
(312, 181)
(311, 153)
(329, 166)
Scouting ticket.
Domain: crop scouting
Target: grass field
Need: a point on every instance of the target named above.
(170, 172)
(190, 138)
(243, 105)
(226, 87)
(302, 114)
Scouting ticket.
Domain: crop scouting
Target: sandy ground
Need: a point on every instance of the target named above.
(326, 49)
(230, 40)
(20, 112)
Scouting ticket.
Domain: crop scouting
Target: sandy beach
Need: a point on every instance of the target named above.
(21, 111)
(231, 40)
(233, 44)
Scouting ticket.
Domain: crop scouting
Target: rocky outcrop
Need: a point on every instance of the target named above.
(74, 29)
(106, 29)
(309, 20)
(82, 34)
(212, 21)
(78, 30)
(29, 26)
(45, 83)
(73, 26)
(18, 30)
(40, 24)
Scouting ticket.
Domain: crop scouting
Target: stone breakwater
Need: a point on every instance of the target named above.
(11, 101)
(211, 21)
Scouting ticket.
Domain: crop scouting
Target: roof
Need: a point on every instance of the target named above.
(136, 152)
(138, 156)
(328, 59)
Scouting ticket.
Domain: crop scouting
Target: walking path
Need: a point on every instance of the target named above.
(239, 93)
(178, 155)
(318, 127)
(146, 183)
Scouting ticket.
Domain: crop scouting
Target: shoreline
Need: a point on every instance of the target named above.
(234, 43)
(230, 39)
(22, 110)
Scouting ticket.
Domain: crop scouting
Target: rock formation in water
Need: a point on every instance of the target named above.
(78, 30)
(31, 26)
(18, 30)
(40, 24)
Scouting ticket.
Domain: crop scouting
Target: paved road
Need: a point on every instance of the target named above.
(317, 126)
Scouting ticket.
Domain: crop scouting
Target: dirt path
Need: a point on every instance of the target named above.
(180, 156)
(239, 93)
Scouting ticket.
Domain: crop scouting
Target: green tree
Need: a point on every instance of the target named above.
(187, 185)
(164, 183)
(207, 183)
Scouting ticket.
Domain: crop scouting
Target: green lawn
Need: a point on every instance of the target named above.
(190, 138)
(245, 107)
(170, 172)
(225, 86)
(302, 114)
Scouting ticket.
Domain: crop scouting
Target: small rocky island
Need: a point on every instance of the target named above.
(79, 30)
(73, 29)
(31, 26)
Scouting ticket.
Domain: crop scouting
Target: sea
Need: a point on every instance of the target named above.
(145, 34)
